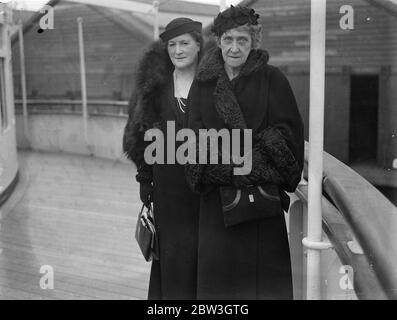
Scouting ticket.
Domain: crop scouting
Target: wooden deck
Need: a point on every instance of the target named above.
(76, 214)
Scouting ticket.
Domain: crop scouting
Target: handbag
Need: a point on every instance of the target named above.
(253, 202)
(145, 234)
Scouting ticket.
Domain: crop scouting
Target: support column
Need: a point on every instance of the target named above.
(23, 82)
(222, 5)
(316, 142)
(156, 20)
(83, 80)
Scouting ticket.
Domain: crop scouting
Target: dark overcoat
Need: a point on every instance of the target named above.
(176, 207)
(250, 260)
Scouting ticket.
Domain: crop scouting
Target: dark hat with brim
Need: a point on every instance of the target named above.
(233, 18)
(180, 26)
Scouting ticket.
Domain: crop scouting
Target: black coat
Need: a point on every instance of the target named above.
(176, 207)
(250, 260)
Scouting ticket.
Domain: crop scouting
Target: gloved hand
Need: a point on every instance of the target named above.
(146, 193)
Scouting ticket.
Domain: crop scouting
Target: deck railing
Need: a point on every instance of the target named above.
(69, 106)
(360, 223)
(356, 216)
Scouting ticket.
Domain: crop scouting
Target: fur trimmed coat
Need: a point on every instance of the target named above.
(250, 260)
(144, 109)
(176, 207)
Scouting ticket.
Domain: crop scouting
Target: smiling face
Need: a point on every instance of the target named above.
(183, 51)
(236, 45)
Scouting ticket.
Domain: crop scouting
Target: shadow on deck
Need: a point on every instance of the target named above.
(76, 214)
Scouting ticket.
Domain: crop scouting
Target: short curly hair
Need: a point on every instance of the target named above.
(255, 31)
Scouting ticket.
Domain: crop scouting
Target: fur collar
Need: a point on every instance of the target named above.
(212, 68)
(153, 74)
(153, 69)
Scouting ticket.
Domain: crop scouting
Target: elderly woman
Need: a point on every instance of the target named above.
(243, 244)
(164, 78)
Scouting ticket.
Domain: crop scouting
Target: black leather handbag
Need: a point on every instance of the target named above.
(145, 234)
(250, 203)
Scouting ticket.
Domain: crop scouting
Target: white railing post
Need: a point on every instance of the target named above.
(313, 242)
(83, 79)
(156, 20)
(295, 230)
(23, 81)
(222, 5)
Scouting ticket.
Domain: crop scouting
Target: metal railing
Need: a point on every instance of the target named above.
(361, 225)
(94, 107)
(356, 216)
(71, 102)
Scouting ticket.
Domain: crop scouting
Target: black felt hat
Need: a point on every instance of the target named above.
(232, 18)
(180, 26)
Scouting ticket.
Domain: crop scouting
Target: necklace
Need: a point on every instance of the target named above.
(178, 96)
(180, 104)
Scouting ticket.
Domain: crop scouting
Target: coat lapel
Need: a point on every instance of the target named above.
(226, 104)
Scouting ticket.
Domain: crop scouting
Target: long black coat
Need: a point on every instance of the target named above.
(176, 207)
(250, 260)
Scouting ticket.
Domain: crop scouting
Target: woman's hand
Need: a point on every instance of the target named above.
(146, 193)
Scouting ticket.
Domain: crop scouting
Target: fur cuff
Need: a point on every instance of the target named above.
(263, 171)
(218, 174)
(273, 145)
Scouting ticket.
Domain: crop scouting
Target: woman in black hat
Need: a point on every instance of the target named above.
(163, 82)
(243, 244)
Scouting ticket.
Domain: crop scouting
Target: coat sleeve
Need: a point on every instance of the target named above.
(283, 141)
(133, 141)
(263, 170)
(201, 177)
